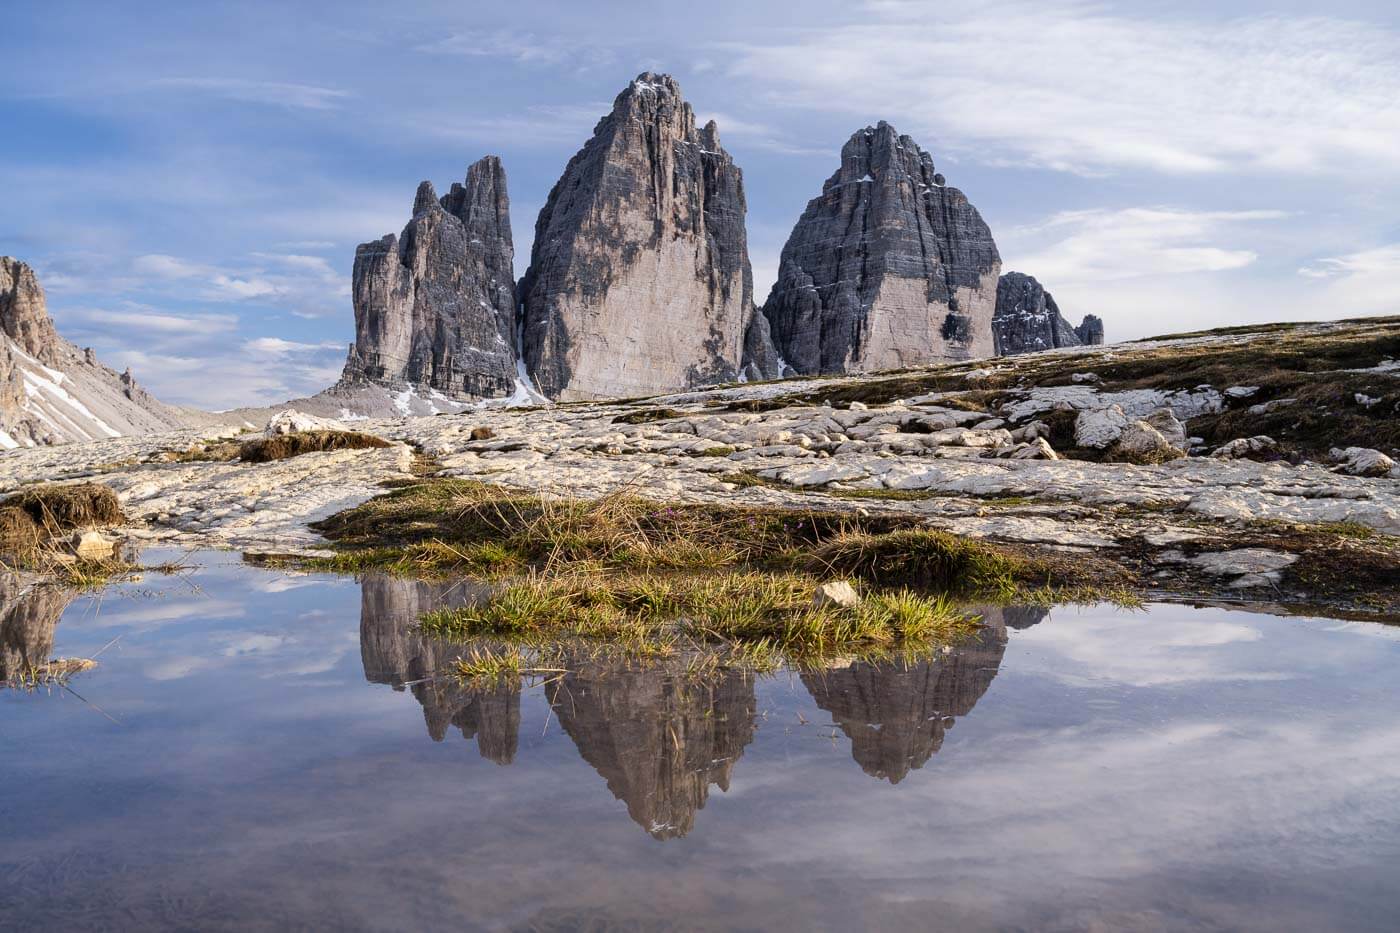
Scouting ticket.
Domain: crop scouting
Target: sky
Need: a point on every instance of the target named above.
(190, 180)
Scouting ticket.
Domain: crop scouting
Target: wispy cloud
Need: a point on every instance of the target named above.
(527, 48)
(1080, 89)
(275, 93)
(1365, 282)
(1079, 247)
(156, 322)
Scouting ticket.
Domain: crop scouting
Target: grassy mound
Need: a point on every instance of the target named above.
(759, 617)
(285, 446)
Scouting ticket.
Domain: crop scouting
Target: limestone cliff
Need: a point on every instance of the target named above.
(1028, 319)
(889, 267)
(51, 392)
(639, 278)
(435, 306)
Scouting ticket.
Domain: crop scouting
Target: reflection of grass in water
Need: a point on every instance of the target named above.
(660, 580)
(748, 619)
(54, 673)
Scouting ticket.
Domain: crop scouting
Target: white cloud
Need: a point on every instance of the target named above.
(1077, 247)
(1366, 282)
(277, 93)
(1080, 89)
(525, 48)
(161, 266)
(276, 346)
(157, 322)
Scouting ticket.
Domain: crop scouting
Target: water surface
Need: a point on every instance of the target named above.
(264, 751)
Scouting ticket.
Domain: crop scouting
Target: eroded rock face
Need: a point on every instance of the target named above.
(639, 278)
(1027, 318)
(53, 393)
(435, 306)
(888, 268)
(1090, 330)
(24, 316)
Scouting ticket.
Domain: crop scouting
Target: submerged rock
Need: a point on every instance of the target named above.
(639, 278)
(435, 306)
(888, 267)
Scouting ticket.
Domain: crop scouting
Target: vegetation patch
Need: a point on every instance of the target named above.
(32, 519)
(648, 415)
(757, 614)
(285, 446)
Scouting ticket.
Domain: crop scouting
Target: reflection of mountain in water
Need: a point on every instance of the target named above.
(394, 652)
(896, 714)
(659, 741)
(28, 617)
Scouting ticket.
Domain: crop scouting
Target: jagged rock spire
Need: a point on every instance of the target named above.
(889, 267)
(24, 316)
(639, 277)
(435, 306)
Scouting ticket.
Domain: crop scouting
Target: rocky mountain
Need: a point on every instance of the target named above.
(639, 278)
(435, 306)
(889, 267)
(51, 392)
(1027, 319)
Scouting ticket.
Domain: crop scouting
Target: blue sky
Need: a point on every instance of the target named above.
(190, 180)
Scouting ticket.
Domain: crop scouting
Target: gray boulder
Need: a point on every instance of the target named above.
(888, 267)
(639, 278)
(435, 306)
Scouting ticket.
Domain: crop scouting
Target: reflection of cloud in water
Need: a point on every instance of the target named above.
(659, 741)
(394, 651)
(896, 714)
(1173, 645)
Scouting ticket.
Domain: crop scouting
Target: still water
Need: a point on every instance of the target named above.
(262, 751)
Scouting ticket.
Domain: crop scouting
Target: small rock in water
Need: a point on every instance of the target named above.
(838, 593)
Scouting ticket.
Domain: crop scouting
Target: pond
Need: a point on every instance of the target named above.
(259, 750)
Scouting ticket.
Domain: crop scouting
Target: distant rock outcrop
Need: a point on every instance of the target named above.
(639, 278)
(889, 267)
(435, 306)
(51, 392)
(1090, 330)
(1028, 319)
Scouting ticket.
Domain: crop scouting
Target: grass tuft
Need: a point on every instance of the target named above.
(285, 446)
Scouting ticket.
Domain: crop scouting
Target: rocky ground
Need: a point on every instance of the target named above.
(1223, 463)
